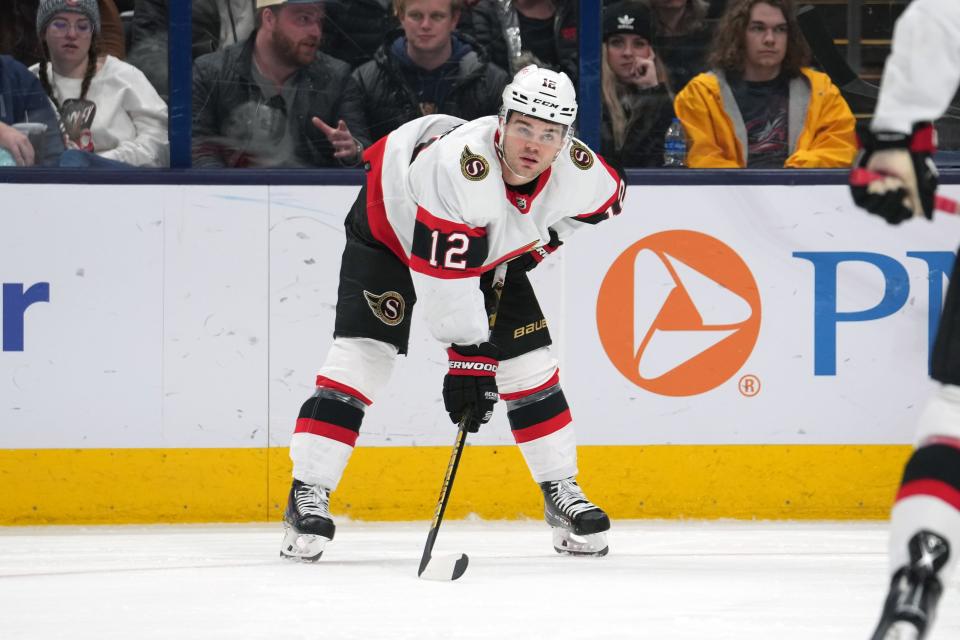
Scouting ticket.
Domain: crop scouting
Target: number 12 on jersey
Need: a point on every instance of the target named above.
(446, 249)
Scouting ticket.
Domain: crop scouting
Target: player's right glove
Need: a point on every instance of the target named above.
(910, 184)
(470, 386)
(532, 258)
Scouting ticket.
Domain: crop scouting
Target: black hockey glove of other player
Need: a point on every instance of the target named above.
(910, 183)
(532, 258)
(470, 386)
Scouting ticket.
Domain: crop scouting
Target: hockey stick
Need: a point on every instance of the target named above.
(451, 567)
(860, 177)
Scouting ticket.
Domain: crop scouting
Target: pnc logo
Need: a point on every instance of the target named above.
(678, 313)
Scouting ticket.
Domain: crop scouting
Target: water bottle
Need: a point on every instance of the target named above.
(6, 159)
(675, 145)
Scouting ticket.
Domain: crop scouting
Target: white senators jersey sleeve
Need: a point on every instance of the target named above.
(923, 70)
(456, 218)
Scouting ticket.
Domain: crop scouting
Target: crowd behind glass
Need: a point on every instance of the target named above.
(300, 83)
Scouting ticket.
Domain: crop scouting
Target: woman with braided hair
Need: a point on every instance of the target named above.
(110, 113)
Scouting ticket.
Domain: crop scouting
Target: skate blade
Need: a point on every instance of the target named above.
(302, 546)
(570, 544)
(445, 568)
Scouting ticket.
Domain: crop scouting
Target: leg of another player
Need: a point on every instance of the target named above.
(925, 522)
(326, 432)
(543, 429)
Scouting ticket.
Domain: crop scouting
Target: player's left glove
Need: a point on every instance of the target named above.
(532, 258)
(470, 386)
(910, 184)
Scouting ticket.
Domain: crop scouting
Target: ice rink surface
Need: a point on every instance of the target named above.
(670, 580)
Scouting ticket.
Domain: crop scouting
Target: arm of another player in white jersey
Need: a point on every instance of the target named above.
(923, 70)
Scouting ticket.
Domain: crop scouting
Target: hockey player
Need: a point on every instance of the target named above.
(444, 202)
(919, 80)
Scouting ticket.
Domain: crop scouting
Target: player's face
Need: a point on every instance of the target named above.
(623, 51)
(766, 42)
(529, 147)
(427, 24)
(296, 33)
(68, 38)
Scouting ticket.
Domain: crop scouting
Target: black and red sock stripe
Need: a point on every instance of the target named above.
(330, 418)
(533, 420)
(933, 470)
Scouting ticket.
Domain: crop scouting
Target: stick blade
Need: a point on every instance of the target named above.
(444, 568)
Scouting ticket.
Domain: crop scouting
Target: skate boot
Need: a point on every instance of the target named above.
(914, 590)
(307, 525)
(578, 525)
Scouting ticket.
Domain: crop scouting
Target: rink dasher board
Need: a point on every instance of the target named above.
(185, 326)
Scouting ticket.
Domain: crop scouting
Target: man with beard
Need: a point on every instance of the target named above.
(275, 100)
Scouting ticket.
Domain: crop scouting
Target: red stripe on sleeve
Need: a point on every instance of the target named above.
(545, 428)
(931, 488)
(326, 430)
(616, 189)
(448, 226)
(420, 265)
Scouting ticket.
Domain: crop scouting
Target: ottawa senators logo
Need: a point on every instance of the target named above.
(473, 166)
(388, 307)
(580, 155)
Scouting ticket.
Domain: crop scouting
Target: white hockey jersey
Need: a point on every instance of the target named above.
(437, 199)
(923, 70)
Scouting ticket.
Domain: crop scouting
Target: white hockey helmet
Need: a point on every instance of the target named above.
(543, 94)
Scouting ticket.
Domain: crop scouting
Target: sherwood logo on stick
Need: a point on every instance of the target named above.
(678, 313)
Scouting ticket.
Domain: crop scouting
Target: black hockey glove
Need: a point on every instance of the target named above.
(470, 386)
(532, 258)
(910, 183)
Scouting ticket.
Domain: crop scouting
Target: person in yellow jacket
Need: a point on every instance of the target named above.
(759, 107)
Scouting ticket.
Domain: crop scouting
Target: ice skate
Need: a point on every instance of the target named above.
(307, 525)
(914, 590)
(579, 526)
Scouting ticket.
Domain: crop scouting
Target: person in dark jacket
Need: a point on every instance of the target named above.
(428, 69)
(275, 100)
(637, 102)
(682, 35)
(354, 29)
(22, 99)
(148, 41)
(520, 32)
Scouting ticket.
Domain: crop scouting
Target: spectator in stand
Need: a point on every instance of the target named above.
(22, 99)
(759, 106)
(354, 29)
(682, 36)
(427, 68)
(18, 30)
(521, 32)
(217, 24)
(637, 103)
(275, 100)
(110, 113)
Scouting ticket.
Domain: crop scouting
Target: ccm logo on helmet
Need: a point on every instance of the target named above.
(473, 366)
(552, 105)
